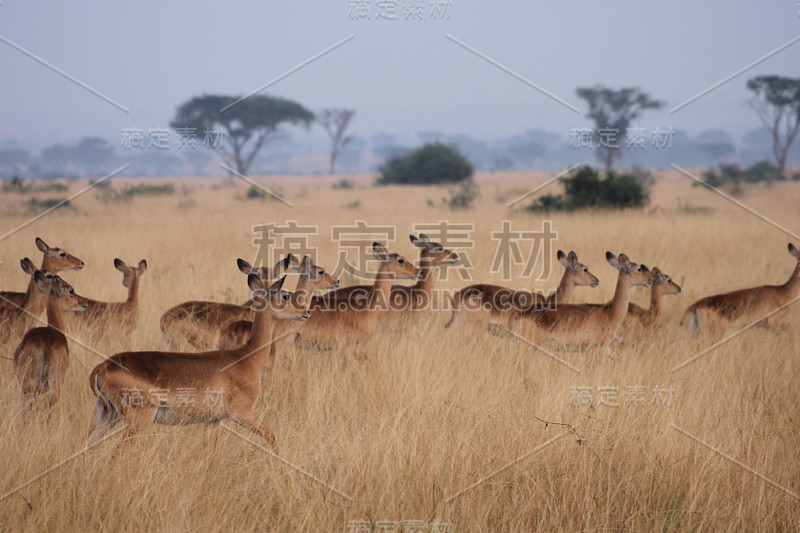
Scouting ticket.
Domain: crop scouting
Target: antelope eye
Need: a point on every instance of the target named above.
(585, 269)
(439, 249)
(320, 272)
(286, 297)
(401, 261)
(63, 254)
(72, 291)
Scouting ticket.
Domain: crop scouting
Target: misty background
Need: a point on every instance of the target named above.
(406, 81)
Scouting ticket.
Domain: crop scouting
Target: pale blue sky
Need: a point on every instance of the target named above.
(401, 76)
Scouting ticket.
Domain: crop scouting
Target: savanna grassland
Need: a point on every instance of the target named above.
(433, 411)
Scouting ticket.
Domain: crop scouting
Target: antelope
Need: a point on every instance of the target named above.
(716, 313)
(584, 325)
(54, 260)
(483, 302)
(639, 319)
(347, 317)
(41, 359)
(417, 296)
(16, 320)
(312, 278)
(198, 324)
(174, 379)
(117, 317)
(431, 255)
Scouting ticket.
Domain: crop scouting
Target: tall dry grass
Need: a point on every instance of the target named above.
(433, 411)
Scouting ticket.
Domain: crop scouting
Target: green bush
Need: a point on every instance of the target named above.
(732, 175)
(343, 183)
(110, 195)
(585, 189)
(762, 171)
(16, 184)
(463, 196)
(37, 205)
(255, 193)
(431, 164)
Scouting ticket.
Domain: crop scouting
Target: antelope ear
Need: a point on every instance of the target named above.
(612, 260)
(142, 267)
(380, 251)
(275, 287)
(254, 282)
(292, 262)
(415, 241)
(27, 266)
(244, 266)
(41, 281)
(306, 265)
(644, 268)
(572, 258)
(41, 245)
(424, 238)
(623, 260)
(793, 251)
(59, 287)
(120, 265)
(562, 259)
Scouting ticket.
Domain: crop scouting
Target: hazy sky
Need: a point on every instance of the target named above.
(400, 75)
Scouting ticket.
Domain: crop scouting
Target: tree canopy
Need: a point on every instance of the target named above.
(613, 110)
(246, 124)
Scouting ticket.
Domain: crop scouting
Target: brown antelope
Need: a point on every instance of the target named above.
(640, 319)
(431, 255)
(583, 325)
(198, 324)
(417, 296)
(483, 302)
(714, 314)
(347, 319)
(186, 388)
(54, 260)
(17, 320)
(41, 359)
(117, 317)
(312, 278)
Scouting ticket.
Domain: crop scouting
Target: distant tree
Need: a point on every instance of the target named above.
(91, 155)
(247, 125)
(777, 104)
(429, 164)
(335, 122)
(14, 156)
(614, 110)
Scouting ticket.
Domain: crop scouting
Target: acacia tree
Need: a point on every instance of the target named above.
(612, 112)
(335, 122)
(777, 104)
(247, 124)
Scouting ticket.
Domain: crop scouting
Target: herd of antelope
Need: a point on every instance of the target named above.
(232, 347)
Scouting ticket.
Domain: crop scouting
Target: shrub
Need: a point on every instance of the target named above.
(259, 193)
(464, 195)
(762, 171)
(16, 184)
(255, 193)
(110, 195)
(36, 205)
(430, 164)
(732, 176)
(585, 189)
(343, 183)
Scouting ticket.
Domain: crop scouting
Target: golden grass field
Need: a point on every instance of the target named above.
(433, 411)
